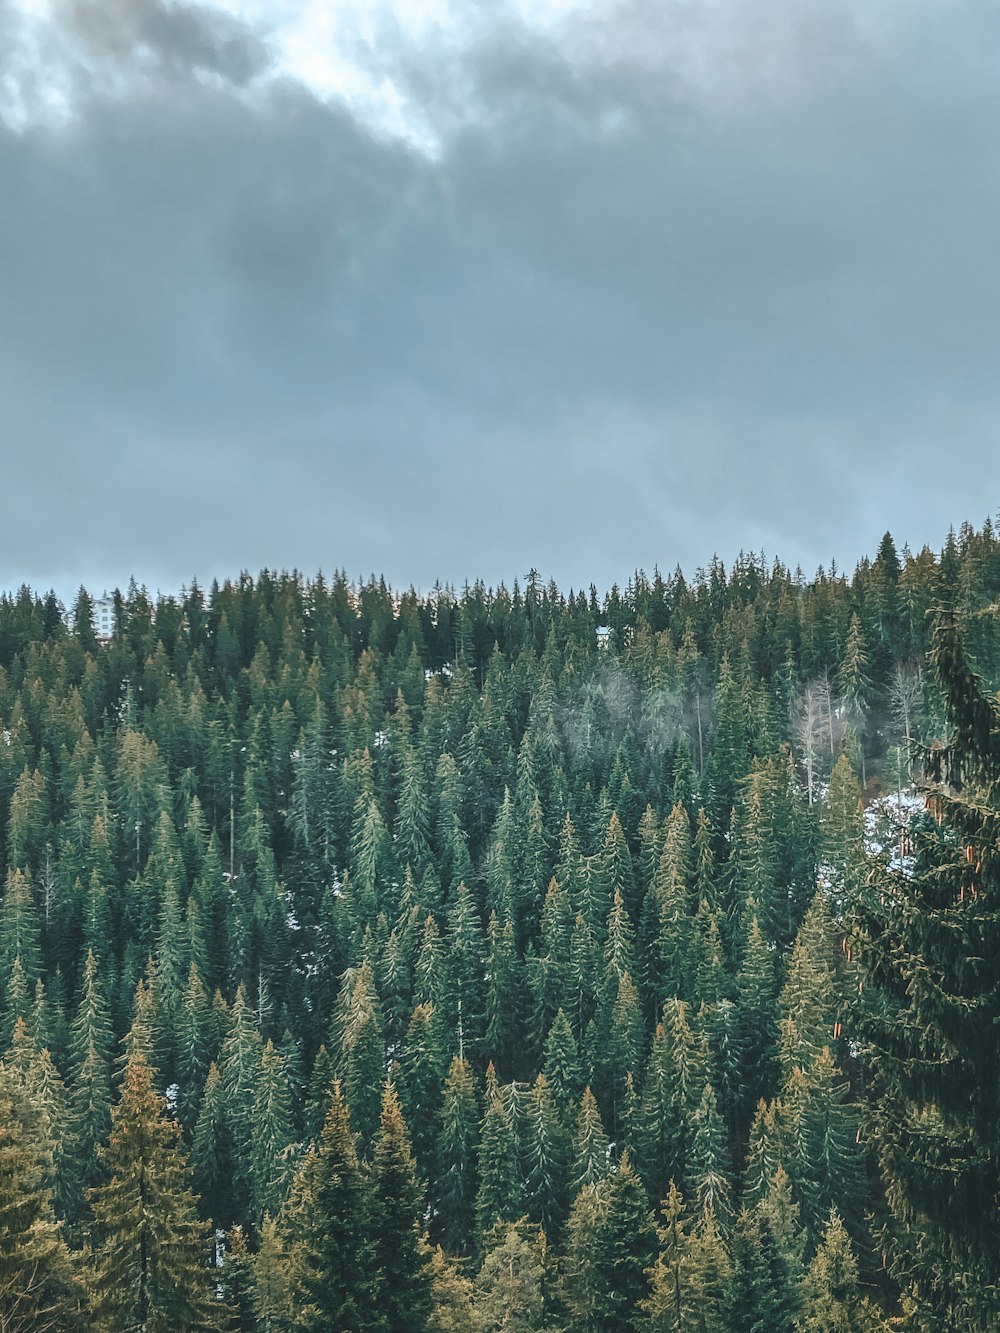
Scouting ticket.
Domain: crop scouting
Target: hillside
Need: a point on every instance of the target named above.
(461, 961)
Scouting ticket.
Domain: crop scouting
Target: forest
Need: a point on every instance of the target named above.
(505, 958)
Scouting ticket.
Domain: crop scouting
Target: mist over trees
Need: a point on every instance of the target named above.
(507, 958)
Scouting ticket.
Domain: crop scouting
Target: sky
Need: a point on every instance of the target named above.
(453, 289)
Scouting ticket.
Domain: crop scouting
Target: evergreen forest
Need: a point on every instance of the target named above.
(506, 958)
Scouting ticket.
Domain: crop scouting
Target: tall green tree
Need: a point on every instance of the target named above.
(325, 1227)
(399, 1245)
(930, 957)
(150, 1259)
(458, 1141)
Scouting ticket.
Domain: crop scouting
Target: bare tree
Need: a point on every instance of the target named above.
(906, 692)
(809, 715)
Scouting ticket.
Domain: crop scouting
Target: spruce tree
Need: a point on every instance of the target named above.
(498, 1199)
(590, 1145)
(510, 1285)
(399, 1247)
(150, 1260)
(931, 960)
(831, 1292)
(456, 1177)
(39, 1290)
(325, 1227)
(272, 1152)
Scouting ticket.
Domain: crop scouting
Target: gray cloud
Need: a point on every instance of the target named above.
(675, 281)
(176, 40)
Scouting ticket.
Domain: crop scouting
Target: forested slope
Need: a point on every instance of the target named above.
(466, 965)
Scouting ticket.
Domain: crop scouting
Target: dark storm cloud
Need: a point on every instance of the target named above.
(671, 285)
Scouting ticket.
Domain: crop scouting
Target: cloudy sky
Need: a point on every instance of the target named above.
(453, 288)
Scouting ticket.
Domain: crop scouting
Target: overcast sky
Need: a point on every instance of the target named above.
(454, 288)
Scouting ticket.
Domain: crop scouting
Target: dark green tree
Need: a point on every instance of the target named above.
(325, 1229)
(930, 957)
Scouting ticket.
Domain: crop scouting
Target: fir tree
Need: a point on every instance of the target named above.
(326, 1230)
(150, 1263)
(832, 1297)
(39, 1290)
(399, 1247)
(272, 1153)
(931, 952)
(498, 1199)
(458, 1140)
(509, 1287)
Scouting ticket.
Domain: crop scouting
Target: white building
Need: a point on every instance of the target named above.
(104, 616)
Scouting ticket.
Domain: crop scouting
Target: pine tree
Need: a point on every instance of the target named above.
(20, 937)
(399, 1247)
(832, 1297)
(579, 1285)
(709, 1278)
(362, 1050)
(505, 998)
(499, 1196)
(452, 1295)
(211, 1150)
(45, 1090)
(708, 1170)
(826, 1164)
(150, 1263)
(39, 1291)
(458, 1141)
(239, 1070)
(842, 831)
(781, 1215)
(546, 1152)
(17, 1002)
(590, 1145)
(756, 985)
(853, 678)
(271, 1295)
(763, 1297)
(466, 951)
(509, 1288)
(421, 1073)
(237, 1280)
(672, 894)
(325, 1228)
(194, 1045)
(272, 1152)
(562, 1064)
(931, 953)
(672, 1089)
(612, 1246)
(665, 1305)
